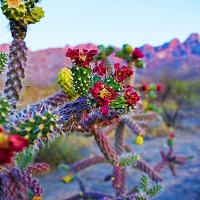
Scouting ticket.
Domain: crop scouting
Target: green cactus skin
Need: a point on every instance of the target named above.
(118, 103)
(170, 142)
(140, 64)
(157, 189)
(3, 61)
(103, 54)
(144, 183)
(64, 80)
(24, 158)
(37, 127)
(81, 79)
(30, 4)
(4, 110)
(14, 14)
(34, 16)
(128, 159)
(113, 84)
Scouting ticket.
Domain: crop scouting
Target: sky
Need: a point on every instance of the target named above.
(109, 22)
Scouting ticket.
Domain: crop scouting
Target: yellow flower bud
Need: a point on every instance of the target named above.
(13, 3)
(139, 140)
(37, 198)
(68, 178)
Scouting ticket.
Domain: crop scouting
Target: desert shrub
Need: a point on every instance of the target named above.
(63, 150)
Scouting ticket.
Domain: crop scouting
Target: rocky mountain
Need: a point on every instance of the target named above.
(180, 60)
(173, 59)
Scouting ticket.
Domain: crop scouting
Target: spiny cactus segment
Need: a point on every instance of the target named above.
(34, 15)
(25, 158)
(30, 4)
(154, 191)
(81, 79)
(128, 159)
(27, 180)
(3, 61)
(38, 126)
(106, 148)
(170, 159)
(130, 55)
(143, 166)
(38, 168)
(4, 110)
(144, 183)
(103, 52)
(64, 80)
(144, 192)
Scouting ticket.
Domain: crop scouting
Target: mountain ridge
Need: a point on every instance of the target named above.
(182, 60)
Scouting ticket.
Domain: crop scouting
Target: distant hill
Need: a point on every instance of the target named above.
(180, 60)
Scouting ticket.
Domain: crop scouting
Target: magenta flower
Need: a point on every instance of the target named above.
(136, 53)
(122, 73)
(9, 145)
(130, 96)
(81, 59)
(103, 95)
(159, 88)
(100, 69)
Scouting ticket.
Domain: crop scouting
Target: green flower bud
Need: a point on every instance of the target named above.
(152, 95)
(170, 142)
(34, 16)
(127, 49)
(140, 64)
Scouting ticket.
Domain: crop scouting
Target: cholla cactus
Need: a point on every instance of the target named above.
(131, 56)
(115, 155)
(106, 91)
(170, 159)
(150, 92)
(103, 54)
(15, 185)
(106, 96)
(18, 15)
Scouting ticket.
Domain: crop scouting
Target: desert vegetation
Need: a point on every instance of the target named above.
(93, 105)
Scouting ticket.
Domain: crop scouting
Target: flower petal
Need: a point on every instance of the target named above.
(104, 109)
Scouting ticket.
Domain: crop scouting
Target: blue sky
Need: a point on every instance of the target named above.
(110, 22)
